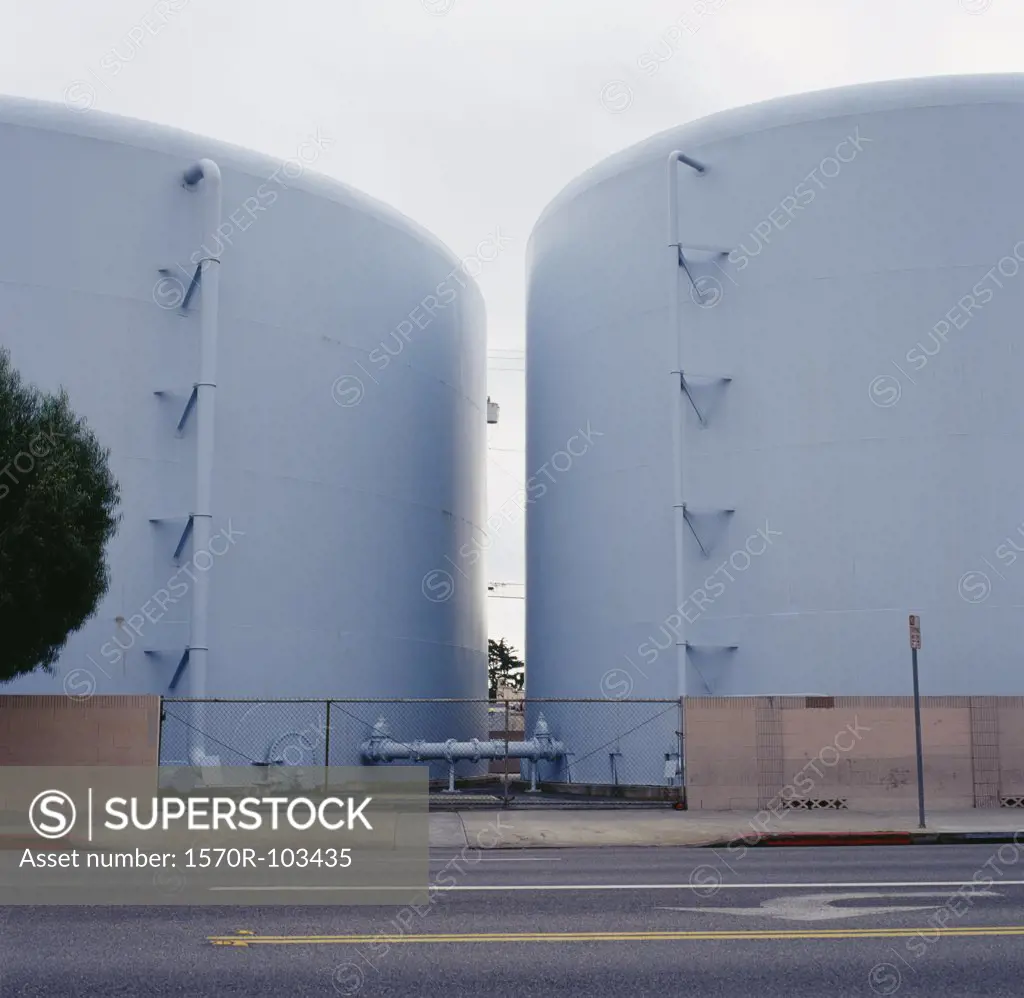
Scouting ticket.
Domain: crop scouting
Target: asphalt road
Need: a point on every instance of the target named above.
(601, 922)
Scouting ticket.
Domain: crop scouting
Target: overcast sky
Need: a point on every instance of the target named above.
(471, 114)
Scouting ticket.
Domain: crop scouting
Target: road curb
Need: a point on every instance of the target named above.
(964, 838)
(797, 839)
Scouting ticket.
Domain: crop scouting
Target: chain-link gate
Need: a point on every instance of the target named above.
(480, 752)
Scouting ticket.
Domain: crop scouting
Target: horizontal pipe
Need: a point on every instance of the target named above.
(381, 747)
(387, 750)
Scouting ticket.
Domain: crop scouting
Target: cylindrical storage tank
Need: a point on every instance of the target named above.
(350, 405)
(848, 292)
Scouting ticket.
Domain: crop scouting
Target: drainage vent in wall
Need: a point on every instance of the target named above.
(1011, 801)
(817, 804)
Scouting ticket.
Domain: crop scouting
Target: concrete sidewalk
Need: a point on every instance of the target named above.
(567, 827)
(514, 829)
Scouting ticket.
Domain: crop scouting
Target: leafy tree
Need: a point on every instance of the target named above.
(57, 512)
(504, 667)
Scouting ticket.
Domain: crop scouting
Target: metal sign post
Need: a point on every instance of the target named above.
(915, 644)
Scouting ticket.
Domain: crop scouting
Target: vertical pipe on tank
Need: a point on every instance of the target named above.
(202, 515)
(678, 411)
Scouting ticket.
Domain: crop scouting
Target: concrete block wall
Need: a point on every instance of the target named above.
(61, 731)
(721, 752)
(1009, 713)
(742, 753)
(784, 752)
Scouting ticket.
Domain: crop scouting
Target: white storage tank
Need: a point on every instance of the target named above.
(349, 398)
(841, 291)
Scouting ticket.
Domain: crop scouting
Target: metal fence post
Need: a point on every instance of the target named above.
(505, 790)
(327, 748)
(682, 743)
(159, 732)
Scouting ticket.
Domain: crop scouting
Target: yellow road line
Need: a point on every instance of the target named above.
(580, 937)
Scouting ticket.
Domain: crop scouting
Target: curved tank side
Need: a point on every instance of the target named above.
(349, 442)
(855, 364)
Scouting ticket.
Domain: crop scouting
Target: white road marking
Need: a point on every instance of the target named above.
(818, 907)
(626, 887)
(511, 859)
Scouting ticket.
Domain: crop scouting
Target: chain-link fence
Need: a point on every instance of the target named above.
(526, 751)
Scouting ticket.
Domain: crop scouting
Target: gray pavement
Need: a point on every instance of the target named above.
(616, 922)
(568, 828)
